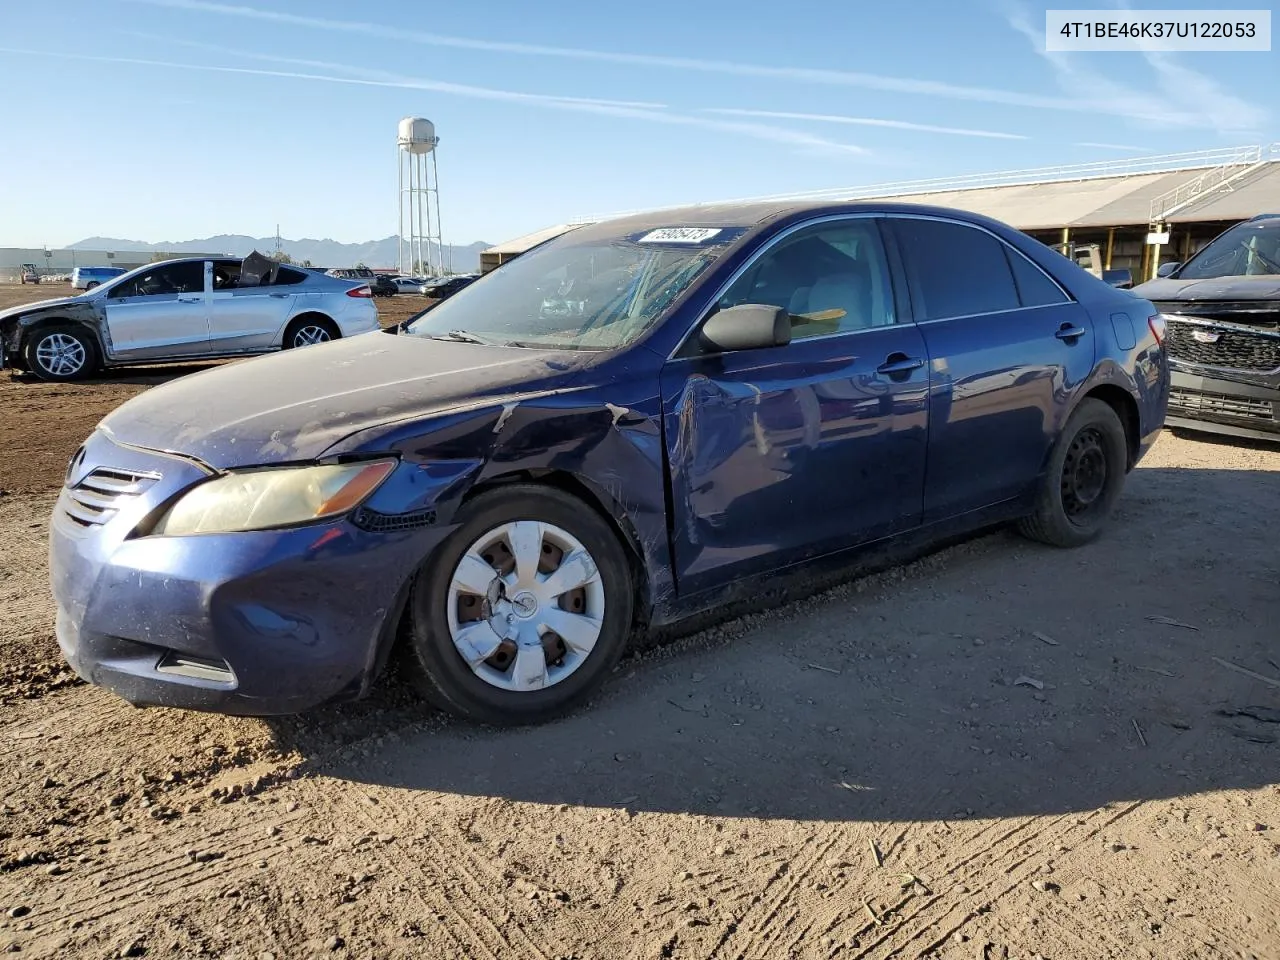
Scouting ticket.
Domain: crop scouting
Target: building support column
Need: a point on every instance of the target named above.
(1111, 245)
(1066, 241)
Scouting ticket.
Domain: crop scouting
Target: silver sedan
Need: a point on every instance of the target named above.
(189, 309)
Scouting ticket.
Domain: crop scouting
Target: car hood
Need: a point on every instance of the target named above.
(1220, 288)
(295, 405)
(39, 305)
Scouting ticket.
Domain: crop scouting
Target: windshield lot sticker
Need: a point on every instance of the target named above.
(680, 235)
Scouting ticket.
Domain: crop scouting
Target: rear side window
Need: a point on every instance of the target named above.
(1035, 289)
(954, 270)
(286, 276)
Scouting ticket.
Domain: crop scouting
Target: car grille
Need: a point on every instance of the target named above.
(1234, 349)
(1220, 404)
(95, 499)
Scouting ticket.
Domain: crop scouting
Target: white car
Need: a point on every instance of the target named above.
(188, 309)
(409, 284)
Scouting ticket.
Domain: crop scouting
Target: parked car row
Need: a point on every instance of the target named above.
(186, 309)
(633, 422)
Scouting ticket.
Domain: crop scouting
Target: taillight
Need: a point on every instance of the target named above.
(360, 292)
(1157, 325)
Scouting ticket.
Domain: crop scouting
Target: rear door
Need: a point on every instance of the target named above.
(1007, 347)
(244, 317)
(160, 313)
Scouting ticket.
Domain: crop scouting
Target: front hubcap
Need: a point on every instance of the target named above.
(1084, 473)
(60, 355)
(310, 334)
(526, 605)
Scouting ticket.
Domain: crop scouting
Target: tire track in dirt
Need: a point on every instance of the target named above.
(157, 882)
(749, 930)
(471, 927)
(970, 877)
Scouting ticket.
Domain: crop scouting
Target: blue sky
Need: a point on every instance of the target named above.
(174, 119)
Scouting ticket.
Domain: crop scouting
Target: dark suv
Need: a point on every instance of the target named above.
(1223, 312)
(379, 285)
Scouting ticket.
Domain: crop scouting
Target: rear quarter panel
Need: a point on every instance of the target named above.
(1126, 353)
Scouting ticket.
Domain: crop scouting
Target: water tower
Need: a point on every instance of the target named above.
(421, 248)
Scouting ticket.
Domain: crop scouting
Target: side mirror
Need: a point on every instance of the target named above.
(748, 326)
(1166, 269)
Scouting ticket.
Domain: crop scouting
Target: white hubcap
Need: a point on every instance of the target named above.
(60, 355)
(526, 604)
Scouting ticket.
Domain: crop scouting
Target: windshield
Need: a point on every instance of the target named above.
(1246, 250)
(597, 294)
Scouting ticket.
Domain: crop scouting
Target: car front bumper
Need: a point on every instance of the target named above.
(256, 623)
(1226, 407)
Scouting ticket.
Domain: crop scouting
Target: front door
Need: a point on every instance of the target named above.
(160, 313)
(786, 453)
(245, 317)
(1007, 349)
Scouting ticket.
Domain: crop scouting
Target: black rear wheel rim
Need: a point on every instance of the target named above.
(1085, 472)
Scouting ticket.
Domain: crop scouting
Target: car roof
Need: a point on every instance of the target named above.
(752, 214)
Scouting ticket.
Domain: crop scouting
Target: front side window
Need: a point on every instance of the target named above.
(576, 292)
(831, 277)
(954, 270)
(167, 280)
(1246, 250)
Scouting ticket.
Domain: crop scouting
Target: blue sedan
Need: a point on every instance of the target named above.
(638, 420)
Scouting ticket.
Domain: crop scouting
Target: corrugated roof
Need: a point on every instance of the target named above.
(1111, 201)
(529, 240)
(1087, 200)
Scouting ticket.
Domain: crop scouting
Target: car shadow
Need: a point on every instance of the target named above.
(994, 678)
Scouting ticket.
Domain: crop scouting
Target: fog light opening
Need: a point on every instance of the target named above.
(195, 668)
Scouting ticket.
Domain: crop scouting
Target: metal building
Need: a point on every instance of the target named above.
(1142, 212)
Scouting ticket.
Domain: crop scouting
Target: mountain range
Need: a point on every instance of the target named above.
(321, 253)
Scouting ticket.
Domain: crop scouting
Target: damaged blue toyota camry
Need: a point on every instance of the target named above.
(632, 422)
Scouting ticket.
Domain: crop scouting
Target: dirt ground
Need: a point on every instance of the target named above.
(1002, 750)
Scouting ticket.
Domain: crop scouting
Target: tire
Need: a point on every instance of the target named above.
(1083, 481)
(307, 330)
(60, 353)
(562, 675)
(91, 284)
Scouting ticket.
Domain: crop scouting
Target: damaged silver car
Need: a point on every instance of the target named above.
(187, 309)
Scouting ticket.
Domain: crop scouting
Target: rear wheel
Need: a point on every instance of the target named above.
(306, 331)
(60, 353)
(91, 284)
(523, 611)
(1084, 479)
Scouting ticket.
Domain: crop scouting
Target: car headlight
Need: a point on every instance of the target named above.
(277, 497)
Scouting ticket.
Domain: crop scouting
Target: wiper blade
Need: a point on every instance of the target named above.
(459, 336)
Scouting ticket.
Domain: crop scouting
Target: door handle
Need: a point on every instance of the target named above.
(190, 299)
(279, 295)
(899, 363)
(1070, 332)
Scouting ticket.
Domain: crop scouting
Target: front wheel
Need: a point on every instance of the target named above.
(523, 611)
(1084, 478)
(60, 353)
